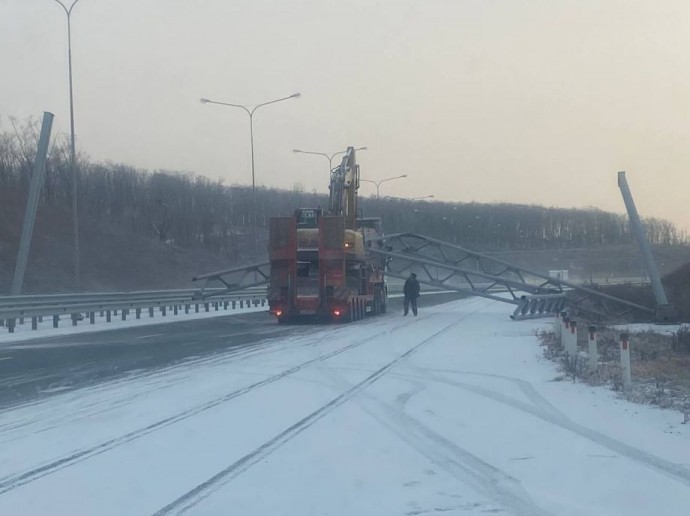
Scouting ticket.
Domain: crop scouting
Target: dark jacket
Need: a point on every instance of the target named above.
(411, 288)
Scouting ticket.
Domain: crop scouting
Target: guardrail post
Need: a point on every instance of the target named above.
(207, 306)
(263, 302)
(163, 309)
(92, 317)
(565, 332)
(10, 325)
(124, 314)
(75, 319)
(107, 316)
(593, 351)
(557, 325)
(225, 305)
(34, 323)
(21, 320)
(115, 312)
(625, 361)
(196, 308)
(175, 310)
(186, 308)
(234, 304)
(56, 321)
(572, 341)
(150, 311)
(241, 303)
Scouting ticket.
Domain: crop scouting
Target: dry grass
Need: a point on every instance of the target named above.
(660, 365)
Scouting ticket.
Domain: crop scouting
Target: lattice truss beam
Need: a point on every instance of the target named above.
(231, 280)
(440, 264)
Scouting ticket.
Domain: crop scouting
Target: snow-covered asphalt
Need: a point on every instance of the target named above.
(452, 412)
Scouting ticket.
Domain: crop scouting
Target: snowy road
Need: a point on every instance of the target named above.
(452, 412)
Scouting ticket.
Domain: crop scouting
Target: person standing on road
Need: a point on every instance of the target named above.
(411, 292)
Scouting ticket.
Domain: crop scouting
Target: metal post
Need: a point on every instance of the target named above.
(558, 326)
(625, 361)
(593, 349)
(73, 159)
(251, 140)
(32, 204)
(565, 332)
(665, 312)
(572, 341)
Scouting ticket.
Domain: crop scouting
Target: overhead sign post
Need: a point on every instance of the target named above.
(37, 175)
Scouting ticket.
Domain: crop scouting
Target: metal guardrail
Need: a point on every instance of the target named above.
(15, 309)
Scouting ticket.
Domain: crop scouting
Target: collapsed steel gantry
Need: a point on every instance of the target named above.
(442, 265)
(446, 266)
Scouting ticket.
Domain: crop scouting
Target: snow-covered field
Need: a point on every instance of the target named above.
(452, 412)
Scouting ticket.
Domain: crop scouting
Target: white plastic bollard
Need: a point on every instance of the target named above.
(625, 361)
(593, 349)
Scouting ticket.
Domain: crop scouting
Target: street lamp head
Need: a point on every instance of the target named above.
(404, 175)
(204, 101)
(362, 148)
(295, 95)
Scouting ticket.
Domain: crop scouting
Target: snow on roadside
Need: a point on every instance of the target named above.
(471, 422)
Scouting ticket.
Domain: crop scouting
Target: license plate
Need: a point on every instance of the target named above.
(307, 312)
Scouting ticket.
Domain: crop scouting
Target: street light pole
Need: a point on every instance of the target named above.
(326, 155)
(378, 183)
(251, 112)
(73, 159)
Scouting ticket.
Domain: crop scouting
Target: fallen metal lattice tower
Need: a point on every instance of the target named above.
(443, 265)
(233, 280)
(449, 266)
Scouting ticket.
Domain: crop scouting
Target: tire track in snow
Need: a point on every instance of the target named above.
(458, 462)
(194, 496)
(526, 387)
(675, 471)
(14, 481)
(469, 469)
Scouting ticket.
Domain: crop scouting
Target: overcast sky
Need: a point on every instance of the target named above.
(538, 101)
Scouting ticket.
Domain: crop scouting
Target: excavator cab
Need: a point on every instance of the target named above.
(308, 218)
